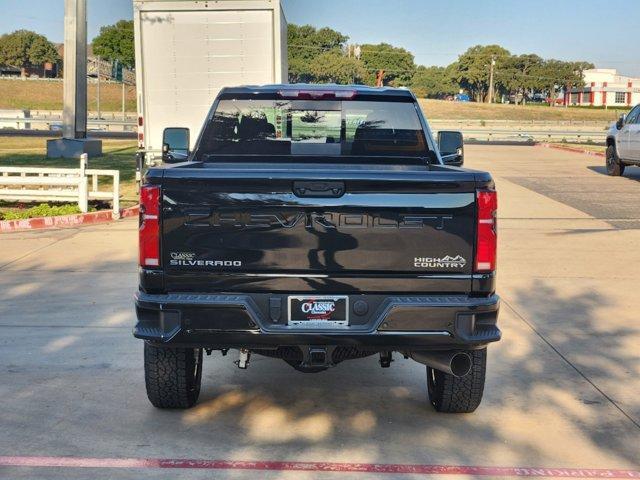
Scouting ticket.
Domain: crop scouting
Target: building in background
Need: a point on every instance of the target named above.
(605, 87)
(44, 70)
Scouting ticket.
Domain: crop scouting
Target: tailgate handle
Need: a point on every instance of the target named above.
(318, 189)
(198, 217)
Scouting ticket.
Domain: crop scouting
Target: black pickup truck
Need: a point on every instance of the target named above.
(317, 224)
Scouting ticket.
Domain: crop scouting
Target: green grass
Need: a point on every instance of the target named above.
(31, 152)
(47, 95)
(443, 110)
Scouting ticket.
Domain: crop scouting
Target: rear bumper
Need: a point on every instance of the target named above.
(258, 321)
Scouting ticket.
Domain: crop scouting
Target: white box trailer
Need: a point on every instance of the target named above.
(186, 51)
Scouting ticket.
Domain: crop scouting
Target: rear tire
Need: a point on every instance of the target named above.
(451, 394)
(615, 167)
(172, 375)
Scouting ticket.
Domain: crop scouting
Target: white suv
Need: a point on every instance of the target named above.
(623, 143)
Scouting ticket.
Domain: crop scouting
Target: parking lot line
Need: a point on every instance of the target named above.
(378, 468)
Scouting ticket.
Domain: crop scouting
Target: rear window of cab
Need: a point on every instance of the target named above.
(334, 128)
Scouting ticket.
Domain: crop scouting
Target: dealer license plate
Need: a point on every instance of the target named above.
(319, 311)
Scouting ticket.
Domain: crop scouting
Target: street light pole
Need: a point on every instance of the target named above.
(98, 86)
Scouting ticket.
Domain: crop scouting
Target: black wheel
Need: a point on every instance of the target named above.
(615, 167)
(451, 394)
(172, 375)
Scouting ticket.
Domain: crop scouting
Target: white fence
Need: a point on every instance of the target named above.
(35, 184)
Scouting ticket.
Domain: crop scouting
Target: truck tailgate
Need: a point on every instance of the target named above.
(275, 220)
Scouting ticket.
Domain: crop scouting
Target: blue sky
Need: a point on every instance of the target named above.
(605, 33)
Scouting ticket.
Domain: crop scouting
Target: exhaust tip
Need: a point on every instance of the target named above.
(461, 364)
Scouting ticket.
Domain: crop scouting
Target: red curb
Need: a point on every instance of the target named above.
(376, 468)
(130, 212)
(570, 149)
(64, 221)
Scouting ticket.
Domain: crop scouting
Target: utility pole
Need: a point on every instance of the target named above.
(98, 87)
(75, 69)
(493, 64)
(74, 117)
(123, 100)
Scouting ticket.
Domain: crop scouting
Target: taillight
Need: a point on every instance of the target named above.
(149, 233)
(487, 240)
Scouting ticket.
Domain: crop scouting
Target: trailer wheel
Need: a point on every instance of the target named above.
(172, 375)
(451, 394)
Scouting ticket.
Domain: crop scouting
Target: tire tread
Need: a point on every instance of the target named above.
(618, 167)
(171, 378)
(451, 394)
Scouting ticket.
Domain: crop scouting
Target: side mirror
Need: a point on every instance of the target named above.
(620, 122)
(175, 145)
(451, 146)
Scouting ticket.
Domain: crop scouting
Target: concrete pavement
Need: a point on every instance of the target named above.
(562, 389)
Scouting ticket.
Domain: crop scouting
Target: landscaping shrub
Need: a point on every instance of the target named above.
(42, 210)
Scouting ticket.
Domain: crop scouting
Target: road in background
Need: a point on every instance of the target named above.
(473, 130)
(561, 391)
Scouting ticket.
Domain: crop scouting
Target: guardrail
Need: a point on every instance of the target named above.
(12, 132)
(485, 134)
(460, 124)
(34, 184)
(90, 121)
(522, 123)
(534, 135)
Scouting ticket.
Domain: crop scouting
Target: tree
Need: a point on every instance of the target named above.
(433, 82)
(335, 68)
(552, 75)
(115, 42)
(320, 55)
(398, 63)
(306, 44)
(574, 74)
(519, 75)
(473, 66)
(558, 74)
(24, 48)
